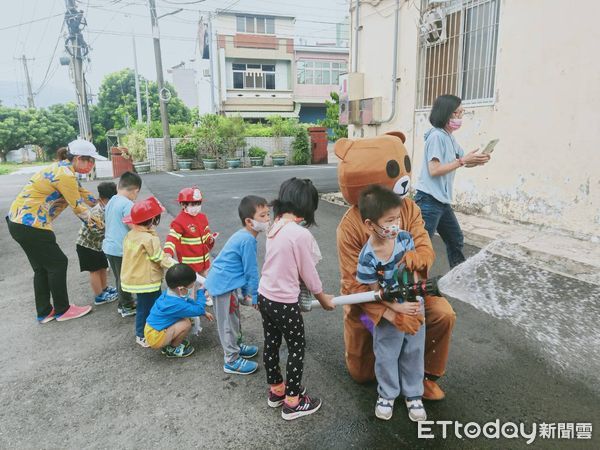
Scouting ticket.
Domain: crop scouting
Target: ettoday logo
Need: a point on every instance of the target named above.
(429, 429)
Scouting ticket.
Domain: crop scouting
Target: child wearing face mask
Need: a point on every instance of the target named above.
(143, 260)
(236, 268)
(190, 239)
(168, 324)
(399, 356)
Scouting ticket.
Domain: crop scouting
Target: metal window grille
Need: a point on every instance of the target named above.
(319, 72)
(458, 43)
(253, 76)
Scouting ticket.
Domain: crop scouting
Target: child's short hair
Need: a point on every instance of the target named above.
(299, 197)
(180, 275)
(107, 189)
(248, 207)
(375, 201)
(130, 181)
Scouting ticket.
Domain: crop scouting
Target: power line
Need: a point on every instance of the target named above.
(30, 21)
(46, 79)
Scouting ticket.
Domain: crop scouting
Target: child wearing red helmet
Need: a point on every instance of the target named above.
(190, 238)
(144, 260)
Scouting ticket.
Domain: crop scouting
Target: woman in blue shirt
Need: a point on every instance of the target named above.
(442, 156)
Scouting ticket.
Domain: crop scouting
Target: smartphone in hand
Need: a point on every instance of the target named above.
(489, 148)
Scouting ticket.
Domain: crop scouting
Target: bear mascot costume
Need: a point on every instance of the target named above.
(384, 160)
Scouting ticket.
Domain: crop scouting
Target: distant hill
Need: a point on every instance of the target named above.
(15, 94)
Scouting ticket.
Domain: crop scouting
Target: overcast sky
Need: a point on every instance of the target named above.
(315, 21)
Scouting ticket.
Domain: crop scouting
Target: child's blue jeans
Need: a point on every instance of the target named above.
(145, 302)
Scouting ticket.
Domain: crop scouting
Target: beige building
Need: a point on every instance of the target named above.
(528, 74)
(254, 64)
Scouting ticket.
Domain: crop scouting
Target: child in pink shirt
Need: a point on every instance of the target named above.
(290, 257)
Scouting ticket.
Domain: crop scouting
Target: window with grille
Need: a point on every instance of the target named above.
(255, 24)
(319, 72)
(458, 43)
(253, 76)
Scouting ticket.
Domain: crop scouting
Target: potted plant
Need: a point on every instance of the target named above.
(136, 145)
(209, 139)
(232, 132)
(278, 157)
(186, 151)
(257, 156)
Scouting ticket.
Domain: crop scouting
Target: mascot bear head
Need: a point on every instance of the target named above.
(380, 160)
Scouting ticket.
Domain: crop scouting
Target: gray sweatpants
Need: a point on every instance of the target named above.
(229, 325)
(399, 361)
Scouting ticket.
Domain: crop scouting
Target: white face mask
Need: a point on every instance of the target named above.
(193, 210)
(259, 226)
(389, 232)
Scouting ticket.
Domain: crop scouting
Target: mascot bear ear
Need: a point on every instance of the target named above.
(398, 134)
(342, 146)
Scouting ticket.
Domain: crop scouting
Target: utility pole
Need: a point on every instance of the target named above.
(148, 110)
(138, 98)
(163, 93)
(78, 49)
(30, 102)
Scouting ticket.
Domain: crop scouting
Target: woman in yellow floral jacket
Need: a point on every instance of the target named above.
(45, 196)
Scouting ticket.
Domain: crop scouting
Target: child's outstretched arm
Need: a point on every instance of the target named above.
(157, 255)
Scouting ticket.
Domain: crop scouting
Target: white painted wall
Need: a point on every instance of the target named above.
(546, 168)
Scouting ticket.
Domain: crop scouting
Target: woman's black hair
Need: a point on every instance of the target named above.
(299, 197)
(180, 275)
(442, 109)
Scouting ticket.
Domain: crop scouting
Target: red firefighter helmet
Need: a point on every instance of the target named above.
(190, 194)
(144, 210)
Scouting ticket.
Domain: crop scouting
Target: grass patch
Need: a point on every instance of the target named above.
(9, 167)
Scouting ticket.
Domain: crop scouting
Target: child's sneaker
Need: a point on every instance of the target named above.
(248, 351)
(141, 341)
(275, 401)
(416, 410)
(111, 290)
(305, 406)
(181, 351)
(105, 297)
(48, 318)
(240, 366)
(126, 311)
(74, 312)
(384, 408)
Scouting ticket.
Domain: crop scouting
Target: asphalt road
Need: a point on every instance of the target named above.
(86, 383)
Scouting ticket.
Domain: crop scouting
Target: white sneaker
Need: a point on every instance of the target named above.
(141, 341)
(416, 410)
(209, 301)
(384, 408)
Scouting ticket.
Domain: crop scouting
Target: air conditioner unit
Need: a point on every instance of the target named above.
(369, 111)
(433, 26)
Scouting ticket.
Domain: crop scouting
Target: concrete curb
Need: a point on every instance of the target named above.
(547, 249)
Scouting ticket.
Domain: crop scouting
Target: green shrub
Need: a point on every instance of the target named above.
(135, 142)
(186, 149)
(301, 147)
(258, 130)
(257, 152)
(180, 130)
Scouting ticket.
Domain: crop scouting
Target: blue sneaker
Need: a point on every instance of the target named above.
(181, 351)
(111, 290)
(248, 351)
(241, 367)
(105, 297)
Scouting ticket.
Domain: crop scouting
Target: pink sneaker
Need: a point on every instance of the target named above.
(47, 318)
(73, 312)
